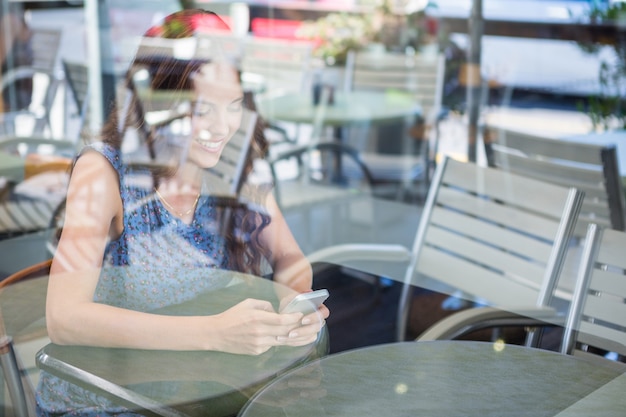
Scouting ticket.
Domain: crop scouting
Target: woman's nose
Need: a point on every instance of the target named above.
(216, 122)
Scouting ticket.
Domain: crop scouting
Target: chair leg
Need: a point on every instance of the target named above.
(19, 395)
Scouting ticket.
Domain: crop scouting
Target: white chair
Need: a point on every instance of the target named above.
(77, 79)
(597, 315)
(496, 237)
(271, 67)
(279, 65)
(595, 325)
(591, 168)
(418, 74)
(404, 158)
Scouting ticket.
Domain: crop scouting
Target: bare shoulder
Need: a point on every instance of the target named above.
(93, 168)
(94, 191)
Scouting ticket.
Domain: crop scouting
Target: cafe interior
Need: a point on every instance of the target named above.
(452, 171)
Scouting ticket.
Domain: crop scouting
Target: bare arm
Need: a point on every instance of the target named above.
(291, 267)
(93, 215)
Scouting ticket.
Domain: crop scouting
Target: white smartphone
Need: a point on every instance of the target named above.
(307, 302)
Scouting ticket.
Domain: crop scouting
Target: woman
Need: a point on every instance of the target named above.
(128, 248)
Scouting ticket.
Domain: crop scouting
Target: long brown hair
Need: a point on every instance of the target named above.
(241, 223)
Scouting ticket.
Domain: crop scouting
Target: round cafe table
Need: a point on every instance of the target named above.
(349, 107)
(444, 378)
(187, 383)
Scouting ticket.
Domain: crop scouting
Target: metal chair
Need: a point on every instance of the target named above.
(418, 74)
(596, 318)
(29, 203)
(77, 79)
(46, 163)
(595, 325)
(45, 44)
(31, 196)
(271, 66)
(496, 237)
(591, 168)
(278, 64)
(22, 313)
(319, 171)
(392, 155)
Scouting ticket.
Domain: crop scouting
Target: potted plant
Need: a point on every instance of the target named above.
(607, 108)
(337, 33)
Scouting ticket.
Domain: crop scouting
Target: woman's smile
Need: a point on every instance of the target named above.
(206, 140)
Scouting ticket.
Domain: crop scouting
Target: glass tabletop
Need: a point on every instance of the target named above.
(189, 382)
(348, 108)
(442, 378)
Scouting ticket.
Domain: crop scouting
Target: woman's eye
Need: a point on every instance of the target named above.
(202, 109)
(235, 107)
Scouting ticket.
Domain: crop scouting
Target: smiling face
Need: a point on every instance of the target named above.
(216, 112)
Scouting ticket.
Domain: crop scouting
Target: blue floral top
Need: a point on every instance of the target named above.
(153, 263)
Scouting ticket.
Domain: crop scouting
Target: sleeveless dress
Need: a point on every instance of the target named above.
(151, 265)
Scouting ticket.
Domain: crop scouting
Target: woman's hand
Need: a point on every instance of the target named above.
(252, 327)
(310, 325)
(309, 328)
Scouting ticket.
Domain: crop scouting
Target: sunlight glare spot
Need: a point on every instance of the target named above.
(498, 345)
(401, 388)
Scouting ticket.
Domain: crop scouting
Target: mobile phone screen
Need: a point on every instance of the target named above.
(306, 303)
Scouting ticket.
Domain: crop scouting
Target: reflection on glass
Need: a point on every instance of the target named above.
(17, 52)
(160, 214)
